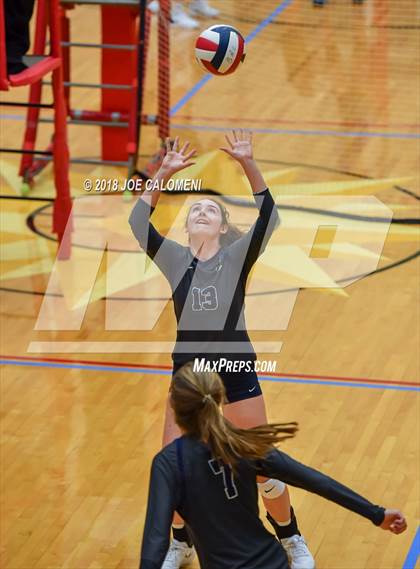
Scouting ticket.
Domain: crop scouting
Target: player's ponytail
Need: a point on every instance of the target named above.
(196, 399)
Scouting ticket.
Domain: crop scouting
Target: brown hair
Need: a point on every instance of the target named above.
(232, 234)
(196, 398)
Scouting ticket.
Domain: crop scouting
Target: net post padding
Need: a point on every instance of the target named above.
(62, 221)
(164, 68)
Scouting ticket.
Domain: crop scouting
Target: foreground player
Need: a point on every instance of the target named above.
(193, 476)
(208, 281)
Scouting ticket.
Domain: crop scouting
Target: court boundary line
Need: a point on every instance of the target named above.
(414, 552)
(351, 124)
(90, 365)
(165, 367)
(217, 128)
(292, 132)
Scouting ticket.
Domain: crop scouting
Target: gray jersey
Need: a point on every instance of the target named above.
(208, 295)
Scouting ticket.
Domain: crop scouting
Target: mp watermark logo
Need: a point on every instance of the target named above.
(322, 242)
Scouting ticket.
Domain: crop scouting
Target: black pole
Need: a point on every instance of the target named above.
(141, 55)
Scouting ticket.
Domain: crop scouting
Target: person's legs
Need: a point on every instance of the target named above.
(18, 14)
(248, 413)
(181, 18)
(203, 8)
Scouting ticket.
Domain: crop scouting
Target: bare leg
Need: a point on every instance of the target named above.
(250, 413)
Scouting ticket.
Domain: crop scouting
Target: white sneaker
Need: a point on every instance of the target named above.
(153, 6)
(298, 553)
(181, 18)
(179, 554)
(202, 8)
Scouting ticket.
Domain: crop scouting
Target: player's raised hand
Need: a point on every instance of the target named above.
(175, 159)
(239, 145)
(394, 521)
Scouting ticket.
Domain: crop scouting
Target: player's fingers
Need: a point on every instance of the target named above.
(189, 164)
(168, 144)
(190, 154)
(175, 145)
(398, 526)
(402, 525)
(185, 147)
(242, 133)
(250, 135)
(235, 135)
(228, 140)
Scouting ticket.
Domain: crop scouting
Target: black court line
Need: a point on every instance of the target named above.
(264, 293)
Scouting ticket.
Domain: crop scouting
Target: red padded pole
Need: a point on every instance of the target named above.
(118, 27)
(62, 222)
(164, 68)
(35, 93)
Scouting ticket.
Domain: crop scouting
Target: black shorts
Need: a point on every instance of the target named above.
(238, 385)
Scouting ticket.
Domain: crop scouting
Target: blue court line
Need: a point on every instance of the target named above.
(88, 367)
(13, 117)
(203, 127)
(103, 367)
(413, 553)
(189, 94)
(338, 383)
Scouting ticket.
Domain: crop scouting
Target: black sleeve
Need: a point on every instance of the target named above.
(281, 466)
(250, 246)
(162, 503)
(167, 254)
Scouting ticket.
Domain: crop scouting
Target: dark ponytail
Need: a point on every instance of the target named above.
(196, 399)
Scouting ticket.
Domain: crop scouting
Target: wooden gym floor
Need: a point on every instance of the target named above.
(332, 96)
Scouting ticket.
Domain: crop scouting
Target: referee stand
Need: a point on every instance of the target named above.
(39, 66)
(125, 27)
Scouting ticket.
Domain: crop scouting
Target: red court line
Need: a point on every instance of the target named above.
(290, 121)
(166, 367)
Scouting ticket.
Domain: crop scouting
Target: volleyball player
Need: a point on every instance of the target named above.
(208, 280)
(209, 475)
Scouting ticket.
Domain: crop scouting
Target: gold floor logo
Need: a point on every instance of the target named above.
(310, 251)
(331, 235)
